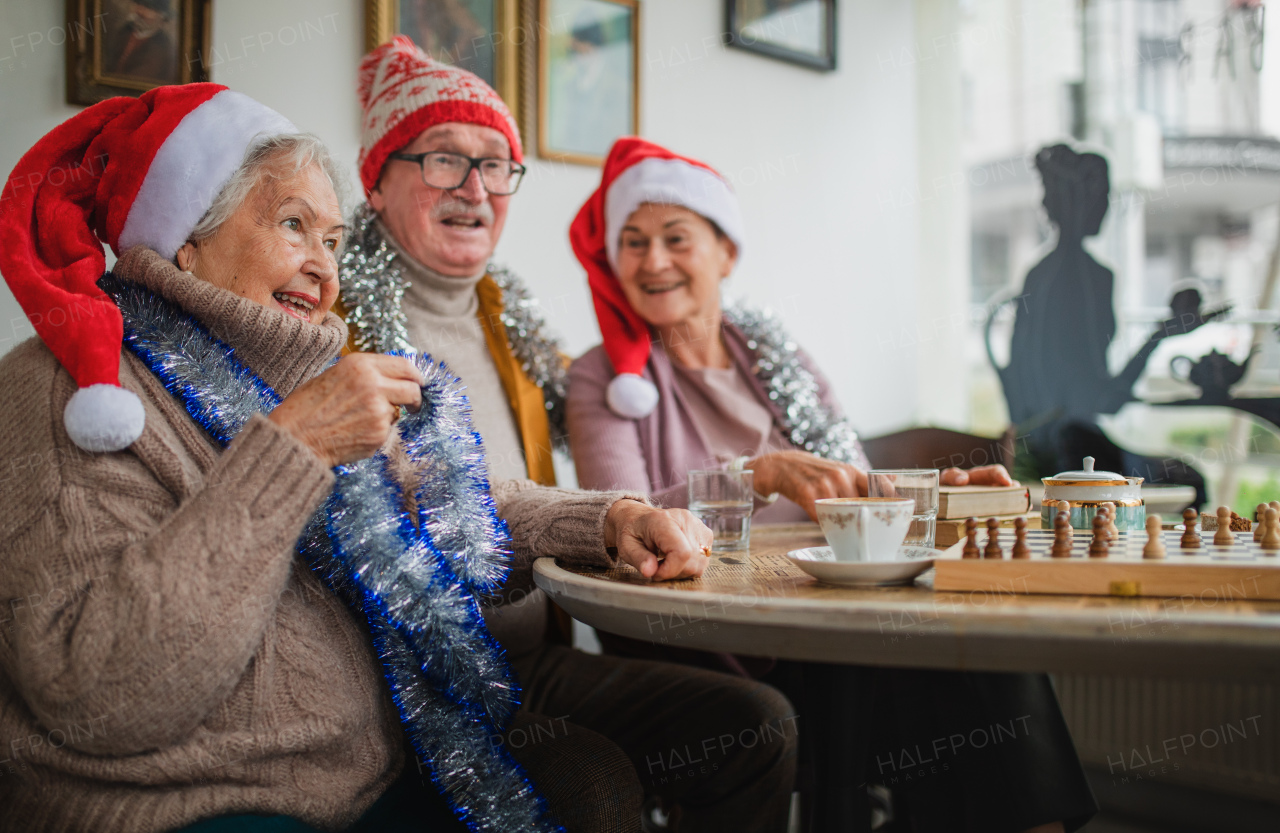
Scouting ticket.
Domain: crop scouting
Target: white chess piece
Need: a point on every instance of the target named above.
(1155, 545)
(1113, 532)
(1064, 506)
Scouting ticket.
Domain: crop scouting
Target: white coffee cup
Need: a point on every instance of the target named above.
(865, 528)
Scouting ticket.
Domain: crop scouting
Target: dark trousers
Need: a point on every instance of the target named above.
(865, 725)
(961, 752)
(720, 751)
(597, 734)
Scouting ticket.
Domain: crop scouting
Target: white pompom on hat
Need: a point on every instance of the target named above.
(127, 171)
(631, 396)
(638, 172)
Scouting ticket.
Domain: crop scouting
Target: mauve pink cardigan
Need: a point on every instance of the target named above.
(655, 453)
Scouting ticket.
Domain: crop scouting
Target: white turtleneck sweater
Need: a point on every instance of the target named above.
(440, 315)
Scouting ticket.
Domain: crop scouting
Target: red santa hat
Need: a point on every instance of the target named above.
(403, 92)
(127, 172)
(638, 172)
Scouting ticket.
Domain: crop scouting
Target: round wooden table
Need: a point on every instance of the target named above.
(763, 605)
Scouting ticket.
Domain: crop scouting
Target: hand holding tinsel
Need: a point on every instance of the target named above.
(661, 543)
(346, 413)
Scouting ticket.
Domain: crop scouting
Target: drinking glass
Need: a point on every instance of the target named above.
(723, 500)
(919, 484)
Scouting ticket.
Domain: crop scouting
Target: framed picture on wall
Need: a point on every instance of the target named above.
(799, 31)
(487, 37)
(588, 77)
(126, 47)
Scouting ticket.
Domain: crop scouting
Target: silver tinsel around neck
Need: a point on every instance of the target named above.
(373, 290)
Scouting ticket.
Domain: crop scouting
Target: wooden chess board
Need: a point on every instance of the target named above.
(1242, 571)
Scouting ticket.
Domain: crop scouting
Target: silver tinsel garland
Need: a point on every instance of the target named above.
(373, 293)
(417, 585)
(807, 422)
(537, 350)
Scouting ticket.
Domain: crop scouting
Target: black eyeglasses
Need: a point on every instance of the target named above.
(449, 171)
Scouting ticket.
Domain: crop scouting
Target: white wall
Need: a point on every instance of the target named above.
(820, 161)
(31, 96)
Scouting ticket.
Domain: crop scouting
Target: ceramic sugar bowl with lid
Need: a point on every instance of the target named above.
(1088, 489)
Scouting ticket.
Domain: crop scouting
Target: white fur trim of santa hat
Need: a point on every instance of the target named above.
(670, 182)
(180, 184)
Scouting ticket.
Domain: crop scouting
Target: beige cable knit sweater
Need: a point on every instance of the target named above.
(164, 654)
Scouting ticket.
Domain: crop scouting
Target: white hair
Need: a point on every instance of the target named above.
(278, 156)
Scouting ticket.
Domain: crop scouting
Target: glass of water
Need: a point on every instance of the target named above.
(919, 484)
(723, 500)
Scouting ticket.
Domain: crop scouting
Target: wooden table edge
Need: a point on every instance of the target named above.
(1083, 641)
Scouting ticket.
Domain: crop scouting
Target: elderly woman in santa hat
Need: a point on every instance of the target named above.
(678, 383)
(242, 578)
(681, 383)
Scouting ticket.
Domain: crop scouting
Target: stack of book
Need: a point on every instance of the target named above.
(1004, 503)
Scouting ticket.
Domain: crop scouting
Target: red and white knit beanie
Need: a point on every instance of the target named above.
(127, 172)
(638, 172)
(403, 92)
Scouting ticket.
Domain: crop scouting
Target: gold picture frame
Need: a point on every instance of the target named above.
(571, 31)
(510, 39)
(118, 47)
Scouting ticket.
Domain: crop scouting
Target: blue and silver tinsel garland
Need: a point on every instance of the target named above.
(373, 293)
(806, 421)
(415, 583)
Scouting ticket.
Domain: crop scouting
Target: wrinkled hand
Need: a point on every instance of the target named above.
(804, 478)
(980, 476)
(346, 413)
(661, 543)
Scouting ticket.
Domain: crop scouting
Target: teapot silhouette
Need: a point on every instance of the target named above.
(1214, 373)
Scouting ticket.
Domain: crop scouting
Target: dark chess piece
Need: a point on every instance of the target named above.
(1020, 548)
(971, 539)
(1063, 536)
(1224, 537)
(1100, 546)
(1190, 539)
(993, 540)
(1271, 534)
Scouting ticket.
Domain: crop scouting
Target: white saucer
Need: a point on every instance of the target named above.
(820, 563)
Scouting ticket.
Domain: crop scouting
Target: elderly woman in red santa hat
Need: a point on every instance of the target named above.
(681, 383)
(242, 577)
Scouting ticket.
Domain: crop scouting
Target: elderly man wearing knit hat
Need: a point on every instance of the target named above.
(440, 161)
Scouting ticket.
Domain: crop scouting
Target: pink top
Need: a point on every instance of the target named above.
(705, 418)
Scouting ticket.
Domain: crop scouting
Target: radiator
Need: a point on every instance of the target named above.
(1222, 736)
